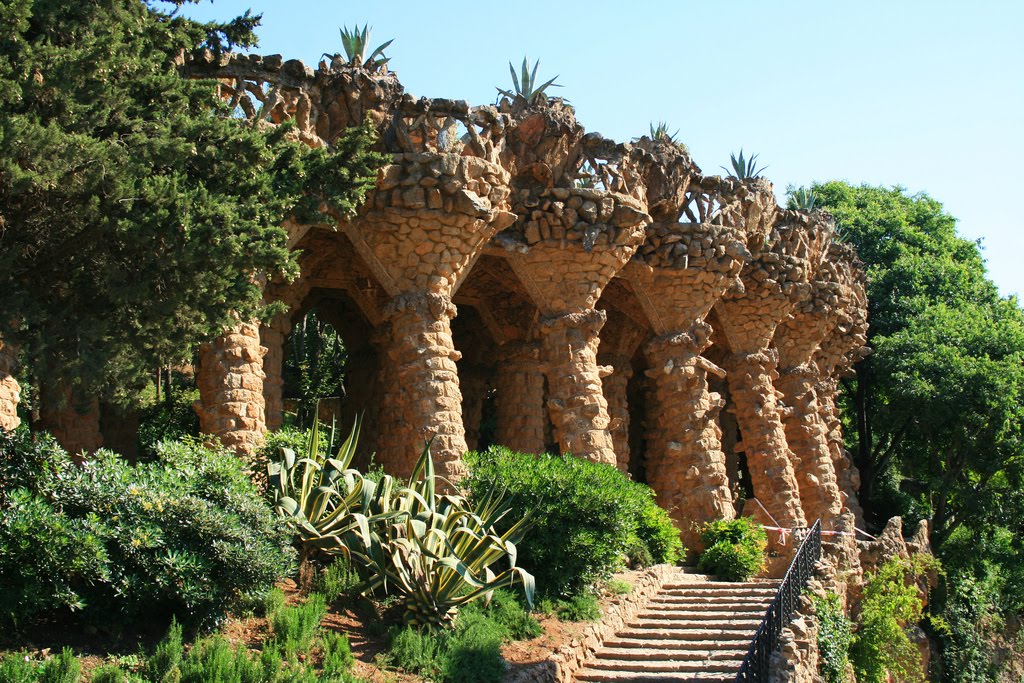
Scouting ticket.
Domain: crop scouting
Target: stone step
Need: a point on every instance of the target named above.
(689, 625)
(655, 653)
(725, 589)
(705, 633)
(766, 584)
(701, 615)
(703, 599)
(625, 642)
(659, 666)
(599, 676)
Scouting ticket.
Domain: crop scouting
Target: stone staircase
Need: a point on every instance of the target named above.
(693, 629)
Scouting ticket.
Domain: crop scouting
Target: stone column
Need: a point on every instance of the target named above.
(231, 405)
(571, 252)
(807, 437)
(10, 392)
(423, 400)
(579, 411)
(519, 380)
(272, 338)
(74, 422)
(685, 463)
(616, 393)
(751, 384)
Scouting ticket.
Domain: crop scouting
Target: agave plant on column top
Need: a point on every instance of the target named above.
(433, 551)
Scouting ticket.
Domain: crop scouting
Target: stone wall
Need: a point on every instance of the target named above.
(10, 391)
(586, 263)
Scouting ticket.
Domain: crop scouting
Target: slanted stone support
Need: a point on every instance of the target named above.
(576, 402)
(231, 405)
(685, 464)
(521, 414)
(10, 391)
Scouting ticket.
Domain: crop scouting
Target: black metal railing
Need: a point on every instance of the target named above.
(755, 664)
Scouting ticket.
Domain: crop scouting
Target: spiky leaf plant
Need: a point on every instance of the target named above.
(744, 168)
(435, 551)
(659, 132)
(802, 198)
(526, 87)
(355, 43)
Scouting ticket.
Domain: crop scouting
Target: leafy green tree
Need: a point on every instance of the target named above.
(137, 216)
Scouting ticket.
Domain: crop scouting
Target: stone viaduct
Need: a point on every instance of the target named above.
(613, 302)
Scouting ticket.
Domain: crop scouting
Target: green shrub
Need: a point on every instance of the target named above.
(617, 587)
(295, 626)
(474, 652)
(336, 579)
(834, 638)
(338, 659)
(419, 650)
(108, 673)
(18, 667)
(881, 648)
(64, 668)
(658, 534)
(163, 665)
(579, 607)
(734, 549)
(274, 600)
(505, 610)
(214, 660)
(969, 627)
(585, 517)
(186, 535)
(168, 420)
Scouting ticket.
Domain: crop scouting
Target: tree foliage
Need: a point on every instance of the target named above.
(137, 216)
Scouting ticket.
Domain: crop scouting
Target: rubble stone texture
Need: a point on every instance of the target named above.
(10, 391)
(586, 268)
(230, 378)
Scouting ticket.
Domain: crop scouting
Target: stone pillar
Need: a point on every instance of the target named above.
(421, 399)
(231, 405)
(769, 460)
(616, 387)
(847, 475)
(807, 437)
(519, 381)
(685, 463)
(74, 422)
(579, 411)
(10, 392)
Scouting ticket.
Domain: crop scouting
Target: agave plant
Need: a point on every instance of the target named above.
(744, 168)
(527, 87)
(355, 44)
(802, 198)
(659, 133)
(435, 551)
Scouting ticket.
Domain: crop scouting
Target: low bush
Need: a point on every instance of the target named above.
(295, 626)
(338, 660)
(585, 517)
(834, 637)
(108, 673)
(468, 653)
(336, 579)
(881, 649)
(734, 549)
(169, 419)
(506, 611)
(163, 665)
(579, 607)
(186, 535)
(18, 667)
(64, 668)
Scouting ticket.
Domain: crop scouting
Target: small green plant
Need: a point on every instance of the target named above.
(526, 87)
(892, 602)
(579, 607)
(834, 637)
(108, 673)
(355, 43)
(163, 665)
(336, 579)
(801, 198)
(418, 650)
(474, 652)
(18, 667)
(273, 601)
(214, 660)
(505, 610)
(734, 549)
(744, 168)
(656, 532)
(618, 587)
(295, 626)
(338, 659)
(659, 133)
(64, 668)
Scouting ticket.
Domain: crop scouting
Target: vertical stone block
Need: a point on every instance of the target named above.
(231, 404)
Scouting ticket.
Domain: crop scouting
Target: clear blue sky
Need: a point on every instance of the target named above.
(924, 94)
